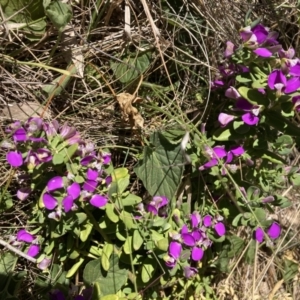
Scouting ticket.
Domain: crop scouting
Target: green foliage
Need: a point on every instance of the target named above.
(109, 281)
(161, 166)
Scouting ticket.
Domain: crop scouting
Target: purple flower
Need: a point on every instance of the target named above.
(55, 183)
(207, 221)
(214, 153)
(156, 204)
(69, 134)
(51, 128)
(296, 102)
(43, 155)
(220, 228)
(232, 93)
(188, 239)
(90, 185)
(251, 116)
(197, 254)
(23, 193)
(263, 52)
(259, 234)
(74, 190)
(33, 250)
(106, 158)
(67, 203)
(234, 152)
(189, 271)
(44, 264)
(225, 119)
(175, 249)
(34, 124)
(278, 81)
(92, 174)
(25, 236)
(14, 158)
(230, 48)
(98, 201)
(20, 135)
(49, 201)
(274, 231)
(290, 53)
(268, 199)
(195, 219)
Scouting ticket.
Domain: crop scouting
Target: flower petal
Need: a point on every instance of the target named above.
(49, 201)
(33, 250)
(276, 77)
(229, 49)
(292, 85)
(262, 52)
(175, 249)
(67, 203)
(25, 236)
(250, 119)
(274, 231)
(224, 119)
(55, 183)
(20, 135)
(259, 234)
(232, 93)
(220, 229)
(74, 190)
(189, 271)
(98, 200)
(195, 219)
(207, 220)
(188, 239)
(90, 185)
(92, 174)
(197, 254)
(14, 158)
(237, 150)
(23, 193)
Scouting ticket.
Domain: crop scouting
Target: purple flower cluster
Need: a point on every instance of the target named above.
(36, 142)
(25, 237)
(273, 232)
(193, 238)
(219, 152)
(157, 206)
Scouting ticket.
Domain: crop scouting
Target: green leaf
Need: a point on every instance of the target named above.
(137, 240)
(86, 231)
(96, 292)
(276, 120)
(110, 212)
(59, 13)
(295, 179)
(81, 217)
(253, 96)
(111, 280)
(290, 270)
(240, 127)
(131, 68)
(110, 297)
(58, 158)
(26, 15)
(70, 152)
(127, 219)
(260, 214)
(236, 246)
(75, 268)
(250, 254)
(131, 200)
(128, 245)
(106, 254)
(227, 134)
(161, 167)
(163, 244)
(148, 269)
